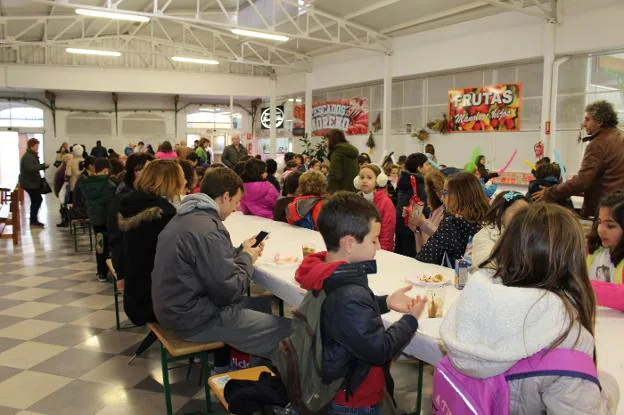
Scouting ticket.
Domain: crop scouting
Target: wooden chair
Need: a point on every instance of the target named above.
(10, 217)
(173, 349)
(217, 382)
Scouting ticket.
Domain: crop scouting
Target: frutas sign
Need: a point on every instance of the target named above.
(487, 108)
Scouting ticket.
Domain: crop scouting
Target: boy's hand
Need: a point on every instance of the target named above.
(418, 306)
(400, 302)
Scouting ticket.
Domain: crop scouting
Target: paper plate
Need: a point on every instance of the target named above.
(276, 262)
(420, 283)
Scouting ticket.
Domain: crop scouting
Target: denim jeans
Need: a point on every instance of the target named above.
(334, 409)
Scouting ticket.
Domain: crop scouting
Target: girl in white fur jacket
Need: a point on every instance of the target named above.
(538, 297)
(500, 213)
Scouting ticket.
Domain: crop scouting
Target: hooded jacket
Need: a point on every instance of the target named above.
(141, 218)
(259, 199)
(355, 343)
(493, 326)
(197, 273)
(343, 167)
(304, 211)
(97, 193)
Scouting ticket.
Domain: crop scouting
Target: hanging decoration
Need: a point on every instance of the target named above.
(422, 135)
(377, 123)
(370, 143)
(439, 125)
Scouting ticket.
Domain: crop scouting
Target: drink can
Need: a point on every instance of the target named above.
(461, 273)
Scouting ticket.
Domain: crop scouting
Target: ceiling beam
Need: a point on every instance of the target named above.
(518, 7)
(437, 16)
(374, 42)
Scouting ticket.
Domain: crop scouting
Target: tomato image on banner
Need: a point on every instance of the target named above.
(488, 108)
(348, 115)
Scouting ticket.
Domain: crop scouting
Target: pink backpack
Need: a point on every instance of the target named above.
(458, 394)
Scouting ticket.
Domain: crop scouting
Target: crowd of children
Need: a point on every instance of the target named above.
(415, 208)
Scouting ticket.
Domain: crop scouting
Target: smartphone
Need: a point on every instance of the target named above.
(259, 238)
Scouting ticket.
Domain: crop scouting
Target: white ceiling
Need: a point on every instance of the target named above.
(38, 31)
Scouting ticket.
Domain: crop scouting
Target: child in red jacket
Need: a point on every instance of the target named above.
(371, 183)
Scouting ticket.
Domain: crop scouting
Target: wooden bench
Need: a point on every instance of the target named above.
(10, 217)
(217, 382)
(173, 349)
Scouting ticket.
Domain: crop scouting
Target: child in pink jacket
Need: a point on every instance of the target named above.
(260, 195)
(371, 183)
(605, 262)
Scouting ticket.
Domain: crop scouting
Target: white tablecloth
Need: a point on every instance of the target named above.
(393, 270)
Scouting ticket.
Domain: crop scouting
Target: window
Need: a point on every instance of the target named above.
(21, 116)
(213, 119)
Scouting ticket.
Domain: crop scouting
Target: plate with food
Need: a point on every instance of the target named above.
(429, 280)
(283, 261)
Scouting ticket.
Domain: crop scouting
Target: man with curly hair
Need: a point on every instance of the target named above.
(602, 168)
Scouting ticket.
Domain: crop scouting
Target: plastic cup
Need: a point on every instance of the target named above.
(308, 249)
(435, 303)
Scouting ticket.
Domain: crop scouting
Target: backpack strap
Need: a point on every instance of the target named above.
(556, 362)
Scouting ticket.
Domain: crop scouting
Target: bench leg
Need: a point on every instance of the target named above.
(116, 295)
(421, 369)
(165, 371)
(74, 236)
(280, 303)
(204, 379)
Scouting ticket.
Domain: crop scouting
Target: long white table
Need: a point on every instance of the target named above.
(393, 270)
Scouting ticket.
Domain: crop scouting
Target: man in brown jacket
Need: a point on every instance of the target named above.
(602, 168)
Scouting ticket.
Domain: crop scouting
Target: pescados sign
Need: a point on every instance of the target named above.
(487, 108)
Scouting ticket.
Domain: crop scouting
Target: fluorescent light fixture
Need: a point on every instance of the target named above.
(206, 109)
(194, 60)
(113, 15)
(260, 35)
(79, 51)
(291, 100)
(298, 100)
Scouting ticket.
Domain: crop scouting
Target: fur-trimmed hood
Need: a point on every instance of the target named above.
(138, 208)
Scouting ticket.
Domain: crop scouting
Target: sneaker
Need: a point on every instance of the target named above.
(37, 224)
(102, 278)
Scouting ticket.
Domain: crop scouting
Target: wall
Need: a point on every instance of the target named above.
(148, 105)
(487, 42)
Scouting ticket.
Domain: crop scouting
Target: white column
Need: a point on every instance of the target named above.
(273, 113)
(387, 110)
(549, 57)
(308, 105)
(232, 114)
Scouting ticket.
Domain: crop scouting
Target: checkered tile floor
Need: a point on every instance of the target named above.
(59, 350)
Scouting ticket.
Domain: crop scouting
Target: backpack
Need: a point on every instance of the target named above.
(415, 206)
(304, 211)
(455, 393)
(301, 359)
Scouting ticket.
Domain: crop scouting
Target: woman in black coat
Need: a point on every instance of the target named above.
(143, 214)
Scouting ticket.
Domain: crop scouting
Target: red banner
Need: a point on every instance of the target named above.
(488, 108)
(348, 115)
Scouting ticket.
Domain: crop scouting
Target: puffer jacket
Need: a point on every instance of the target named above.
(355, 341)
(29, 170)
(343, 167)
(387, 211)
(197, 272)
(601, 172)
(493, 326)
(259, 199)
(97, 193)
(141, 218)
(115, 240)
